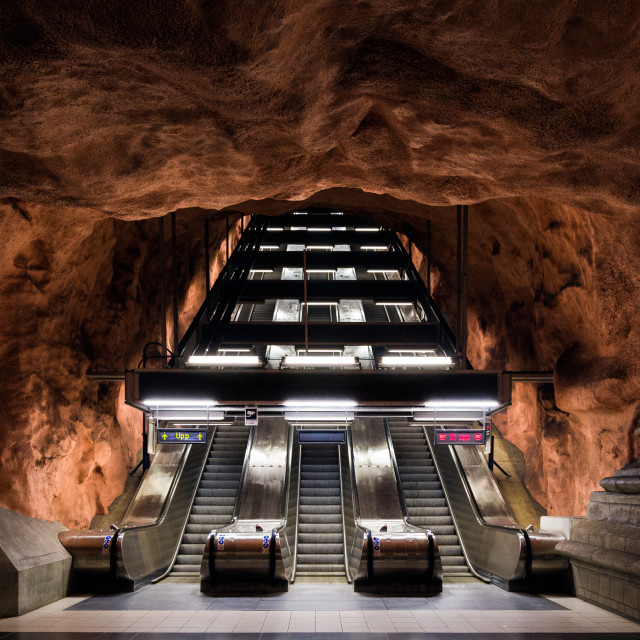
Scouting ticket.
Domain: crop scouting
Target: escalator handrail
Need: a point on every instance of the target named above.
(243, 473)
(396, 471)
(476, 511)
(167, 502)
(186, 522)
(354, 492)
(294, 563)
(344, 526)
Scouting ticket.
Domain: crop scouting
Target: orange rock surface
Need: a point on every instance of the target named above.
(112, 114)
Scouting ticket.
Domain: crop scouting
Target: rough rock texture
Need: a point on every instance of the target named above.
(79, 293)
(142, 109)
(112, 110)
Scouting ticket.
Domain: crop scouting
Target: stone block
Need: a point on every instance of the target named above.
(616, 590)
(631, 596)
(34, 566)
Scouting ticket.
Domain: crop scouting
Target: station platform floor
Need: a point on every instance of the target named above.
(319, 612)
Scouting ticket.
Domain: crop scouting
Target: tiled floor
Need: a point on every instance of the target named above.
(319, 612)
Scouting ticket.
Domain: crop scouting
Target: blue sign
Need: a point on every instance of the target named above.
(183, 436)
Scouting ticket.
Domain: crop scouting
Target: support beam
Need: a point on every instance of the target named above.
(428, 283)
(329, 290)
(394, 334)
(333, 259)
(273, 387)
(163, 305)
(227, 238)
(207, 282)
(174, 289)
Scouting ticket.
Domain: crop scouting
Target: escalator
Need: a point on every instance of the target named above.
(216, 497)
(424, 497)
(320, 526)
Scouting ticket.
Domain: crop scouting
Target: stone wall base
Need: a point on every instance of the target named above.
(34, 566)
(608, 589)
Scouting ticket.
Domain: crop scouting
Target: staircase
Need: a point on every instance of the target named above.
(216, 497)
(320, 536)
(426, 504)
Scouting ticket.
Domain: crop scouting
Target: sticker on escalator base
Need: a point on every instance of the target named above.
(376, 546)
(265, 544)
(221, 543)
(106, 544)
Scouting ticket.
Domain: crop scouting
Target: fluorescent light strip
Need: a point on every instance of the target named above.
(321, 270)
(261, 270)
(200, 424)
(319, 361)
(238, 361)
(175, 402)
(335, 417)
(320, 247)
(415, 361)
(395, 304)
(411, 350)
(444, 405)
(299, 213)
(269, 246)
(382, 270)
(374, 247)
(367, 229)
(337, 404)
(320, 304)
(275, 229)
(324, 229)
(337, 213)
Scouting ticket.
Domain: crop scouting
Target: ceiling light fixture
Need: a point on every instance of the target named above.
(178, 402)
(395, 304)
(415, 361)
(217, 361)
(444, 405)
(313, 404)
(320, 361)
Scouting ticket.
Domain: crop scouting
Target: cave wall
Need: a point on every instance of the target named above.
(552, 288)
(113, 112)
(80, 292)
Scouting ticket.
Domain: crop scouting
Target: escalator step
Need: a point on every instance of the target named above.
(196, 538)
(326, 548)
(321, 538)
(322, 526)
(191, 549)
(453, 561)
(320, 558)
(193, 560)
(319, 501)
(320, 569)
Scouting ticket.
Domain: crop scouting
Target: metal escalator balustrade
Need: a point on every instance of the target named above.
(320, 526)
(424, 497)
(216, 496)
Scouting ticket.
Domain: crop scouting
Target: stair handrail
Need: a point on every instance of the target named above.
(186, 522)
(243, 473)
(344, 526)
(476, 512)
